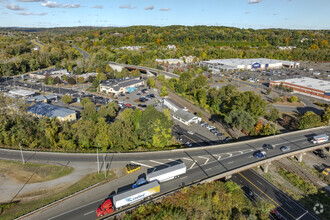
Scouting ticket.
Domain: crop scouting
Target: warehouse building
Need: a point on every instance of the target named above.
(307, 86)
(121, 85)
(45, 110)
(248, 64)
(186, 117)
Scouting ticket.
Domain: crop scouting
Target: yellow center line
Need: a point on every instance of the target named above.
(267, 196)
(190, 139)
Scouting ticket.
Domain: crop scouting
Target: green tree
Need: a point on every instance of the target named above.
(84, 101)
(268, 91)
(67, 99)
(326, 115)
(151, 82)
(293, 99)
(240, 120)
(163, 91)
(309, 120)
(273, 114)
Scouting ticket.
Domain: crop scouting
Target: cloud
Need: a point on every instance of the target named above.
(98, 6)
(151, 7)
(254, 1)
(51, 4)
(29, 13)
(164, 9)
(30, 0)
(12, 6)
(126, 7)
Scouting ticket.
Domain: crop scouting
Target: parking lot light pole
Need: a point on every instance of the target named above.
(97, 158)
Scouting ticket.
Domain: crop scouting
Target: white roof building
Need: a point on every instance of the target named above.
(186, 117)
(21, 92)
(307, 86)
(170, 61)
(257, 63)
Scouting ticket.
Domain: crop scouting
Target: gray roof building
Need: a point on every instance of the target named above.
(42, 98)
(120, 85)
(42, 109)
(185, 117)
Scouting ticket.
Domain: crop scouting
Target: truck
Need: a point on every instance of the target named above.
(127, 198)
(320, 139)
(168, 173)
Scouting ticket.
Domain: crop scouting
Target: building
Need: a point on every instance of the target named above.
(170, 105)
(43, 98)
(170, 61)
(286, 47)
(190, 59)
(53, 72)
(121, 85)
(171, 47)
(308, 86)
(132, 48)
(248, 64)
(45, 110)
(186, 117)
(86, 75)
(21, 92)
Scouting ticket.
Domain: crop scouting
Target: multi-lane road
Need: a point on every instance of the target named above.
(201, 162)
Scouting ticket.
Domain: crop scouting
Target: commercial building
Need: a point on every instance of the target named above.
(21, 93)
(121, 85)
(45, 110)
(53, 72)
(308, 86)
(170, 61)
(248, 64)
(43, 98)
(186, 117)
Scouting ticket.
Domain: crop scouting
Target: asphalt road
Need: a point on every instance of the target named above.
(260, 187)
(200, 163)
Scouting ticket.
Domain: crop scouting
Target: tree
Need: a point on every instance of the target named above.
(163, 91)
(67, 99)
(240, 120)
(309, 120)
(293, 99)
(151, 82)
(326, 115)
(268, 91)
(273, 114)
(89, 112)
(71, 80)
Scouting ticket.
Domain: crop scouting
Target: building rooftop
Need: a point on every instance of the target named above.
(21, 92)
(235, 62)
(49, 110)
(116, 84)
(185, 115)
(41, 98)
(312, 83)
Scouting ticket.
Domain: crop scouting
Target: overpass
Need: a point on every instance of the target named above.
(147, 70)
(204, 164)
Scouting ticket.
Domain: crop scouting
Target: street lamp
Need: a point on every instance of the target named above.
(20, 147)
(97, 158)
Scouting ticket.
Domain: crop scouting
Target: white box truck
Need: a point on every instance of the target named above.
(320, 139)
(167, 173)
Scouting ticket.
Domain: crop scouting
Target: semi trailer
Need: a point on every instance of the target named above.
(167, 173)
(127, 198)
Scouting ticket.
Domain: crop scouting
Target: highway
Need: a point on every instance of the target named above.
(201, 162)
(285, 205)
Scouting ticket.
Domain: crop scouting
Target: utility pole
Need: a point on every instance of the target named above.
(97, 158)
(20, 147)
(105, 174)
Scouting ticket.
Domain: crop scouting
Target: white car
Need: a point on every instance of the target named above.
(190, 132)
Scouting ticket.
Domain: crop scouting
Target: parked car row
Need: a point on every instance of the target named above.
(211, 128)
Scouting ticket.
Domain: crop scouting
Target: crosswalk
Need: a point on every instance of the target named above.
(192, 161)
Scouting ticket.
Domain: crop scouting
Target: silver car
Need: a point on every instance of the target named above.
(285, 148)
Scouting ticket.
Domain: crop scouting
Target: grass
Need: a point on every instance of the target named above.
(32, 172)
(19, 208)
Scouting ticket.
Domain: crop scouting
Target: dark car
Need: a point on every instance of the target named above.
(268, 147)
(152, 95)
(142, 99)
(138, 93)
(259, 154)
(139, 182)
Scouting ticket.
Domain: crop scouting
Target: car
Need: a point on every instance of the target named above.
(152, 95)
(128, 105)
(227, 139)
(188, 144)
(179, 139)
(139, 182)
(268, 147)
(259, 154)
(190, 132)
(285, 148)
(322, 155)
(142, 99)
(275, 214)
(138, 93)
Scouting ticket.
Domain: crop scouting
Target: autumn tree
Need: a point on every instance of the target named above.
(67, 99)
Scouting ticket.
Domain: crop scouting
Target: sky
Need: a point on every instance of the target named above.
(256, 14)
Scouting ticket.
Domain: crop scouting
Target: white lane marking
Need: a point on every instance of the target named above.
(89, 213)
(241, 152)
(250, 156)
(192, 165)
(208, 169)
(187, 159)
(207, 159)
(75, 209)
(230, 162)
(219, 156)
(183, 177)
(141, 164)
(259, 182)
(230, 155)
(160, 163)
(288, 205)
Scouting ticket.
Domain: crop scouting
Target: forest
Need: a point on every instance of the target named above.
(133, 129)
(214, 200)
(103, 45)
